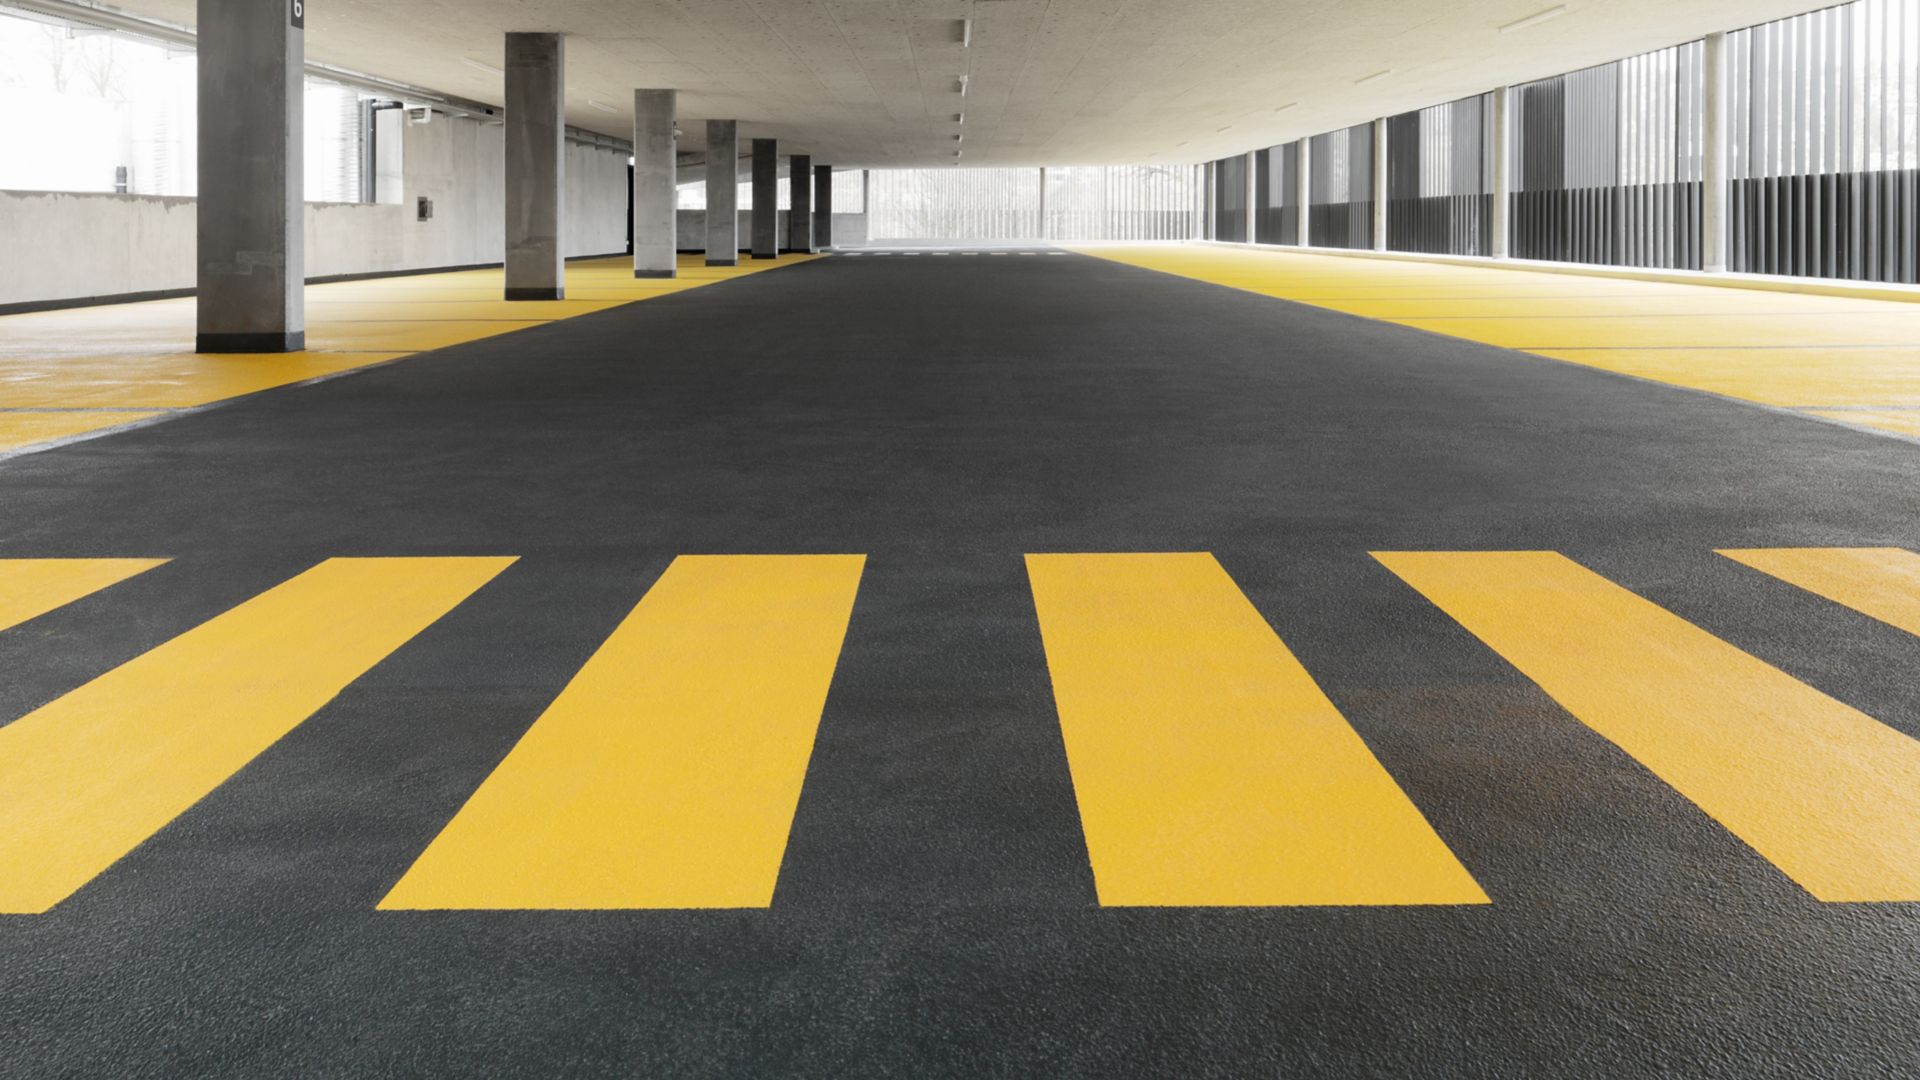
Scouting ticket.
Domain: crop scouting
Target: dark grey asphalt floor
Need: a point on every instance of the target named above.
(935, 914)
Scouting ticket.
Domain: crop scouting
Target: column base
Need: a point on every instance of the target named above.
(537, 294)
(655, 273)
(723, 262)
(757, 255)
(250, 343)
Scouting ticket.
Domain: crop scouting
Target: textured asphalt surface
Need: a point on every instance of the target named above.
(935, 914)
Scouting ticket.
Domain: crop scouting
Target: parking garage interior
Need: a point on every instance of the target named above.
(923, 538)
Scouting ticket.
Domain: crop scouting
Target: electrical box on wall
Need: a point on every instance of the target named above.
(423, 209)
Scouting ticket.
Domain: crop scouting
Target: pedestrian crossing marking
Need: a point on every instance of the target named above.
(88, 777)
(1826, 793)
(1210, 768)
(29, 588)
(1881, 583)
(667, 773)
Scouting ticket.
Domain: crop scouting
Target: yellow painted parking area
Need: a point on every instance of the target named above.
(667, 773)
(1823, 791)
(1209, 767)
(33, 587)
(81, 371)
(1848, 360)
(1881, 583)
(89, 776)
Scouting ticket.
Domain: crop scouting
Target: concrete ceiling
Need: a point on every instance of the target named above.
(875, 83)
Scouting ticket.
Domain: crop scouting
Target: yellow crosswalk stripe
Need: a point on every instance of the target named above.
(1210, 769)
(30, 588)
(667, 773)
(1826, 793)
(88, 777)
(1881, 583)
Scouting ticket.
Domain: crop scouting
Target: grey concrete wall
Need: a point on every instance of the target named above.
(848, 229)
(80, 245)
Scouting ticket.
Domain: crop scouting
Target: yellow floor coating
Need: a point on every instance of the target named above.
(88, 777)
(1825, 792)
(1895, 421)
(1209, 767)
(21, 429)
(1881, 583)
(137, 358)
(666, 774)
(1786, 349)
(30, 588)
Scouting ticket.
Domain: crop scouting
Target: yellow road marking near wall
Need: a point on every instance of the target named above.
(1786, 349)
(1826, 793)
(88, 777)
(666, 774)
(136, 358)
(21, 428)
(1210, 769)
(1881, 583)
(32, 587)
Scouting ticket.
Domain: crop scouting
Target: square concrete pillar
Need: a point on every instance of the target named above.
(655, 194)
(800, 203)
(822, 207)
(1715, 184)
(766, 199)
(536, 166)
(1305, 176)
(1380, 217)
(251, 260)
(1501, 227)
(723, 193)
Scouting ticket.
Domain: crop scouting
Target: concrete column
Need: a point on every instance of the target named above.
(1041, 233)
(800, 203)
(1305, 181)
(655, 195)
(1502, 223)
(1380, 185)
(536, 165)
(1207, 195)
(823, 207)
(251, 262)
(1252, 193)
(766, 199)
(1714, 175)
(723, 193)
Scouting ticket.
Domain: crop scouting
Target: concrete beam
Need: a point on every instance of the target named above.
(723, 193)
(655, 195)
(800, 203)
(536, 164)
(766, 198)
(251, 261)
(823, 207)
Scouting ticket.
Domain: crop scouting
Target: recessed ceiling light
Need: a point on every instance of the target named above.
(1288, 105)
(1224, 130)
(966, 32)
(489, 68)
(959, 118)
(1373, 77)
(1534, 19)
(963, 85)
(592, 104)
